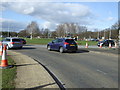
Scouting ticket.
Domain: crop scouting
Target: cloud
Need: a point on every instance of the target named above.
(110, 18)
(53, 12)
(60, 1)
(12, 25)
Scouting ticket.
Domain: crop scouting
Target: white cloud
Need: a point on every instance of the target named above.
(110, 18)
(60, 1)
(6, 20)
(12, 25)
(53, 12)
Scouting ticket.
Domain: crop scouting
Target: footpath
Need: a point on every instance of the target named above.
(30, 74)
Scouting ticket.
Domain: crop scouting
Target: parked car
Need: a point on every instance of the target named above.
(12, 42)
(23, 41)
(94, 40)
(106, 43)
(62, 45)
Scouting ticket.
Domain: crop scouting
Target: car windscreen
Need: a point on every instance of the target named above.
(15, 40)
(71, 41)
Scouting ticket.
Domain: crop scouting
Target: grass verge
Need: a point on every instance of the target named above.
(38, 41)
(46, 41)
(89, 42)
(8, 75)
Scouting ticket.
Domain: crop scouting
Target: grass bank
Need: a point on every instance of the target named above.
(8, 75)
(37, 41)
(46, 41)
(89, 42)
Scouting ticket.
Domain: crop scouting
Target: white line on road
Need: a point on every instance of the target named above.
(101, 71)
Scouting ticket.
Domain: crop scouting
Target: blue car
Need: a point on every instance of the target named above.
(62, 45)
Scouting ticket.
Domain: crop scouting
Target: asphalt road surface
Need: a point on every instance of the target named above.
(78, 70)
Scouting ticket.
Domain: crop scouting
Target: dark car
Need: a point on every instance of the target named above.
(106, 43)
(63, 44)
(23, 41)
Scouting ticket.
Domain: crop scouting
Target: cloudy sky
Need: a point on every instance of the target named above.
(48, 14)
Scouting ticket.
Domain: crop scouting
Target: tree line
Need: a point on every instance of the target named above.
(64, 30)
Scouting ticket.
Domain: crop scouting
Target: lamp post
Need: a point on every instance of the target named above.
(104, 34)
(8, 30)
(110, 35)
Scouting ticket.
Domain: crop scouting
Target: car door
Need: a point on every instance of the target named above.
(59, 43)
(56, 44)
(53, 44)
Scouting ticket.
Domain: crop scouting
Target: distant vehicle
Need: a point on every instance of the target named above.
(23, 41)
(12, 42)
(62, 45)
(28, 37)
(94, 40)
(106, 43)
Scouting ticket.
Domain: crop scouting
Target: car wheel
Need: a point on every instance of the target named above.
(61, 50)
(48, 47)
(20, 47)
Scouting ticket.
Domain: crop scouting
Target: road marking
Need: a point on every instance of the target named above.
(101, 71)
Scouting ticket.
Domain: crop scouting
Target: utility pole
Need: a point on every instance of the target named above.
(31, 32)
(104, 34)
(98, 35)
(110, 35)
(119, 34)
(8, 30)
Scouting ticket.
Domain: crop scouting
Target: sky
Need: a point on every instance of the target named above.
(94, 14)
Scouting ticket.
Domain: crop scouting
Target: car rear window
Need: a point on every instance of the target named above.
(16, 40)
(70, 41)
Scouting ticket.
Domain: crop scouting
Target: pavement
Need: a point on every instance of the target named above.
(32, 75)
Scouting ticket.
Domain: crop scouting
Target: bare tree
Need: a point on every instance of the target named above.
(69, 29)
(33, 29)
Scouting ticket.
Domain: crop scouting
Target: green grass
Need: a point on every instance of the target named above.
(89, 42)
(38, 41)
(45, 41)
(8, 75)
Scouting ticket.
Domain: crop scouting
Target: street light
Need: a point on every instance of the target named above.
(8, 30)
(110, 37)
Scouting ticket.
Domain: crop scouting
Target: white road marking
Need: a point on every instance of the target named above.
(101, 71)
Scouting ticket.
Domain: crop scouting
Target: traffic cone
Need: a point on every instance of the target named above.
(116, 45)
(110, 46)
(1, 48)
(100, 45)
(4, 61)
(86, 45)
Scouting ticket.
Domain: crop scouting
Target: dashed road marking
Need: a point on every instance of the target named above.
(101, 71)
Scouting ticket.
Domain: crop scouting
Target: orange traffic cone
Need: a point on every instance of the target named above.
(100, 45)
(110, 46)
(4, 62)
(86, 45)
(1, 49)
(116, 45)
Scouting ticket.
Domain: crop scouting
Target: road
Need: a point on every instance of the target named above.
(83, 69)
